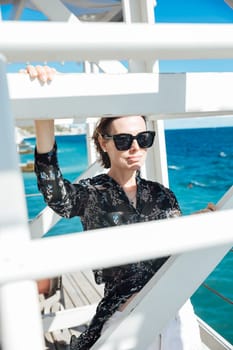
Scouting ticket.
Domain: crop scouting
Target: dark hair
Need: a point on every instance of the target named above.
(102, 128)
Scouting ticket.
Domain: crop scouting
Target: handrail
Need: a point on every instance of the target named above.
(17, 266)
(151, 94)
(52, 41)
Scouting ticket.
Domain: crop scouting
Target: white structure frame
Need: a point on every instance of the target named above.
(142, 90)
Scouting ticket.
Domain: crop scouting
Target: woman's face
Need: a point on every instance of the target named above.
(134, 157)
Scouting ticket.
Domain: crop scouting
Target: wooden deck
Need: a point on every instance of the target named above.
(79, 289)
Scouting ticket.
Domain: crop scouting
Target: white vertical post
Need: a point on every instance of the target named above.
(90, 67)
(157, 168)
(20, 321)
(91, 152)
(156, 165)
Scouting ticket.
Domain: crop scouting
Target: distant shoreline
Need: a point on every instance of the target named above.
(29, 132)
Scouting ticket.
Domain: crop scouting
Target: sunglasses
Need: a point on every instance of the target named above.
(123, 142)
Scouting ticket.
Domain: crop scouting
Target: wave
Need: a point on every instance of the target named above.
(222, 154)
(197, 184)
(174, 167)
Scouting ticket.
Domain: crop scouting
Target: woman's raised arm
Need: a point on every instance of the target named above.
(44, 135)
(44, 128)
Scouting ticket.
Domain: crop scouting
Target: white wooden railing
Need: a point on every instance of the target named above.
(23, 259)
(109, 41)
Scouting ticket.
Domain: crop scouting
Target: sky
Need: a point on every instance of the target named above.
(167, 11)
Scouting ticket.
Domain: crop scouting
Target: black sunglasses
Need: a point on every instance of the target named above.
(123, 142)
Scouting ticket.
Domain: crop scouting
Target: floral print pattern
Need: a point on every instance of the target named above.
(103, 196)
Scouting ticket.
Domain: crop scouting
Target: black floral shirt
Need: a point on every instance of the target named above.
(103, 196)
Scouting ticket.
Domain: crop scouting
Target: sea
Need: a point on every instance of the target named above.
(200, 168)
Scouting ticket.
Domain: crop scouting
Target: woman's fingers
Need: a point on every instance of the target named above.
(50, 72)
(210, 207)
(43, 73)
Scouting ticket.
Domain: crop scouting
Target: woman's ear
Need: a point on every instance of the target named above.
(102, 143)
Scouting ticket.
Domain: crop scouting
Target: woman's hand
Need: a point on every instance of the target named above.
(43, 73)
(44, 129)
(210, 208)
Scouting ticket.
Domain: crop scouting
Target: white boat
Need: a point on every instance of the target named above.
(125, 32)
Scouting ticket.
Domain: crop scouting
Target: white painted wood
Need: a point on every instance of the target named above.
(68, 318)
(147, 304)
(156, 164)
(20, 317)
(16, 298)
(93, 254)
(139, 11)
(155, 167)
(148, 313)
(226, 202)
(63, 42)
(112, 67)
(71, 102)
(196, 94)
(91, 151)
(55, 41)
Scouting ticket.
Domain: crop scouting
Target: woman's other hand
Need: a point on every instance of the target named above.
(210, 208)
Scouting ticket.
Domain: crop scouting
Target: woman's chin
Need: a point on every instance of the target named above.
(135, 167)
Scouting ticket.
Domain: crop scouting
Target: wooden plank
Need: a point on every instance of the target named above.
(68, 318)
(86, 288)
(49, 342)
(61, 338)
(98, 287)
(79, 289)
(68, 303)
(72, 288)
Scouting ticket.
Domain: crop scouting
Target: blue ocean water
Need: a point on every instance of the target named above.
(200, 164)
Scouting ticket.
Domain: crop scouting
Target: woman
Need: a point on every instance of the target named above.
(121, 196)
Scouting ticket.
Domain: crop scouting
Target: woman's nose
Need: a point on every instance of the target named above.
(135, 144)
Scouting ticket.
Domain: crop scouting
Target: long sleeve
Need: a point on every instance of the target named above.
(65, 198)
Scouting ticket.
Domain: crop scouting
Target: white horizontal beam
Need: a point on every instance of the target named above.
(55, 41)
(68, 318)
(81, 95)
(163, 95)
(203, 232)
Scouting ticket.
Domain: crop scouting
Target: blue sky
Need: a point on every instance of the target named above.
(194, 11)
(167, 11)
